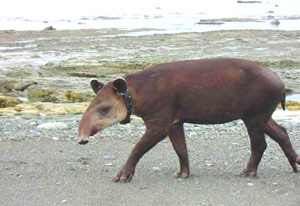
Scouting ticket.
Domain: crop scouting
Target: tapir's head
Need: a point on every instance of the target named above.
(106, 109)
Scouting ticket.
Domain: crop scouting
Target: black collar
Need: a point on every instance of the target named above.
(128, 101)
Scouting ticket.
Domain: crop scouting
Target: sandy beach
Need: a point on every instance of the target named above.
(45, 79)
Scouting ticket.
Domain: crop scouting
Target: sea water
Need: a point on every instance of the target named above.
(157, 16)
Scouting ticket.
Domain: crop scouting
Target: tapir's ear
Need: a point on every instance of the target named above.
(120, 85)
(96, 86)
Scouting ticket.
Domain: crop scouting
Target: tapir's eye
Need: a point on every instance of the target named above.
(104, 110)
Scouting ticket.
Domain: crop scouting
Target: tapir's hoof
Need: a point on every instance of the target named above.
(182, 175)
(248, 173)
(123, 176)
(294, 163)
(298, 160)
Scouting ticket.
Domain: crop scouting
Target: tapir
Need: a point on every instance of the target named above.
(207, 91)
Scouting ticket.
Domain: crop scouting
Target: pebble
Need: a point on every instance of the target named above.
(33, 123)
(208, 163)
(53, 126)
(204, 203)
(23, 99)
(156, 169)
(107, 157)
(164, 140)
(80, 159)
(250, 184)
(108, 163)
(108, 160)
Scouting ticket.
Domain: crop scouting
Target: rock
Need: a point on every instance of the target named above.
(275, 22)
(27, 108)
(53, 126)
(51, 108)
(8, 110)
(83, 74)
(128, 65)
(9, 101)
(43, 95)
(8, 86)
(45, 108)
(292, 105)
(78, 96)
(49, 64)
(249, 2)
(108, 17)
(210, 22)
(49, 28)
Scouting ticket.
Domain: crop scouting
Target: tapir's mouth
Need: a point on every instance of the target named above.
(94, 132)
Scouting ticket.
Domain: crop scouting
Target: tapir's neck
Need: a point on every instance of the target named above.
(135, 86)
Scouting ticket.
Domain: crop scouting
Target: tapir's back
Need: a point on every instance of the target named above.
(211, 90)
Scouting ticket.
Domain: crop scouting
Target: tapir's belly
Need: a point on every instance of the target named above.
(213, 108)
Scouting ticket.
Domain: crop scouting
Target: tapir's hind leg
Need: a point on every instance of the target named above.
(255, 127)
(279, 134)
(177, 138)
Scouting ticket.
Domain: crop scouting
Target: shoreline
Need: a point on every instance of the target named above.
(55, 67)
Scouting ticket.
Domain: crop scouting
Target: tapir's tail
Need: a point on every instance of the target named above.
(283, 103)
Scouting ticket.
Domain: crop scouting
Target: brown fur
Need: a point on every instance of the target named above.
(208, 91)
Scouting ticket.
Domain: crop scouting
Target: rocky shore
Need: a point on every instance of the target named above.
(43, 67)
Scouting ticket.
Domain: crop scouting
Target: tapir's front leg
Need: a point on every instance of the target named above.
(151, 137)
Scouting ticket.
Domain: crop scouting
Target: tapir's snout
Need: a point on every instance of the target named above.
(83, 141)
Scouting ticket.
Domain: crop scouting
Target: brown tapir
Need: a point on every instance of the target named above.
(208, 91)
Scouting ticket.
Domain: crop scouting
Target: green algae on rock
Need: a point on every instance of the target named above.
(43, 108)
(293, 105)
(9, 101)
(128, 65)
(43, 95)
(73, 96)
